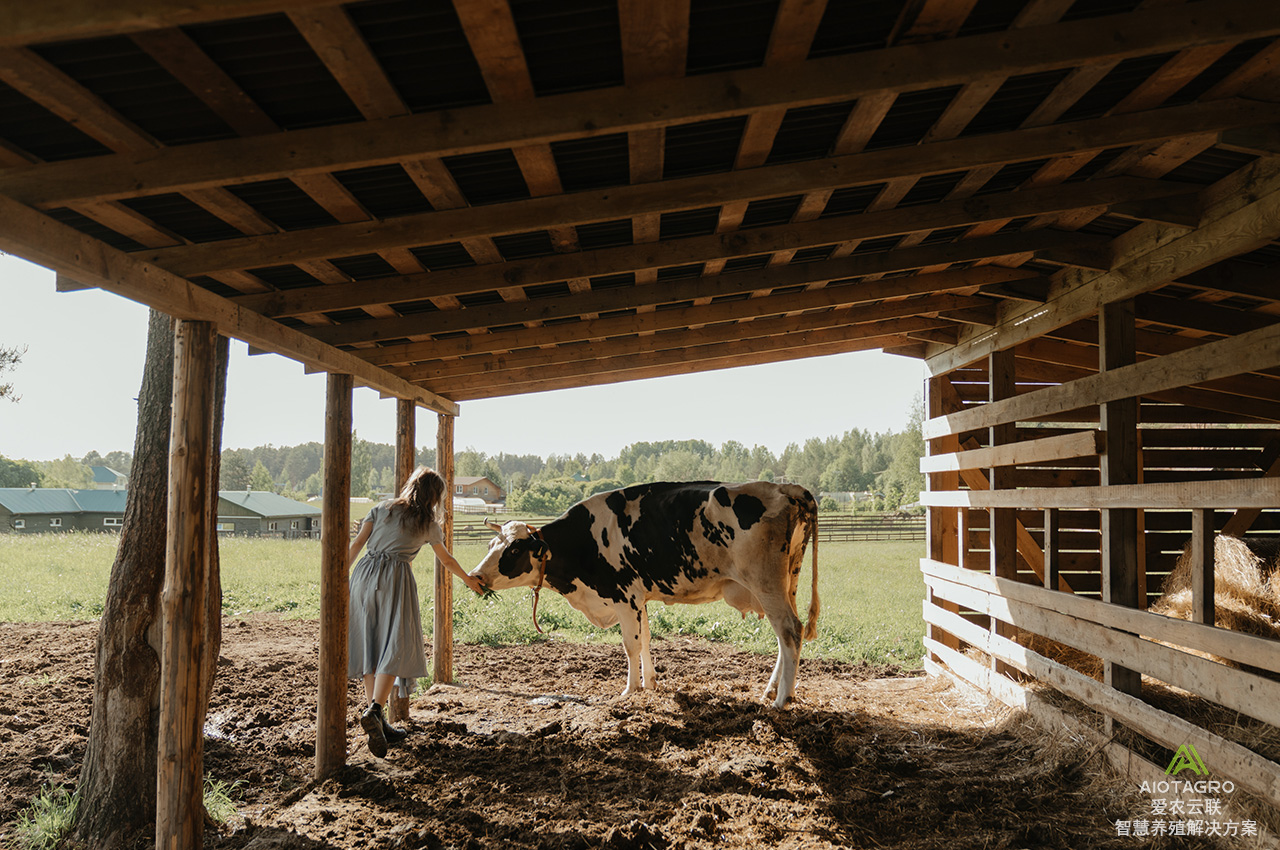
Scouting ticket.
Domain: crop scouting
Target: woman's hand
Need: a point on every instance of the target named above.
(474, 583)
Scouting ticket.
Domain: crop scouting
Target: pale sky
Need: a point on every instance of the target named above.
(85, 352)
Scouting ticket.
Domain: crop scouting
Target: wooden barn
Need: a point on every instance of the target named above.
(1068, 209)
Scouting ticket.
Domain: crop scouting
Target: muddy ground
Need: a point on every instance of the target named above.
(531, 749)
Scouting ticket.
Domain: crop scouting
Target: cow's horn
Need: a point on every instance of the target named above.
(493, 525)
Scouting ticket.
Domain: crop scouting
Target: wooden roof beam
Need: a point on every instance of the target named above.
(38, 23)
(828, 80)
(677, 319)
(686, 362)
(543, 309)
(495, 364)
(706, 190)
(40, 239)
(457, 282)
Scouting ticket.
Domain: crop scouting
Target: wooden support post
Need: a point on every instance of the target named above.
(1119, 526)
(180, 769)
(442, 624)
(335, 536)
(1052, 557)
(1002, 541)
(406, 451)
(1203, 606)
(943, 528)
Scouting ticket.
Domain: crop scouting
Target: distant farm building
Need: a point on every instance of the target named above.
(477, 487)
(243, 512)
(255, 513)
(106, 478)
(32, 510)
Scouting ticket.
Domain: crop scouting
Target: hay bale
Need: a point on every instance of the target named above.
(1246, 591)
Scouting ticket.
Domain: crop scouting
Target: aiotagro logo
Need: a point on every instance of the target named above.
(1191, 807)
(1186, 758)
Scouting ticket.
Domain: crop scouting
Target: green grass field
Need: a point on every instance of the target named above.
(870, 594)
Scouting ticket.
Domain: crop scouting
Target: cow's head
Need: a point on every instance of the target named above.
(513, 557)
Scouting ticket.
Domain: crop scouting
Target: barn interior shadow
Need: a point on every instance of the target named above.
(700, 768)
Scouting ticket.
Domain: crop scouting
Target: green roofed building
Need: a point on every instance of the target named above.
(261, 513)
(32, 510)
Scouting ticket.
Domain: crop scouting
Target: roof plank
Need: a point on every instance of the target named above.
(715, 189)
(652, 105)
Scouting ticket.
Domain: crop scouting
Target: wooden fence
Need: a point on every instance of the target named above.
(831, 527)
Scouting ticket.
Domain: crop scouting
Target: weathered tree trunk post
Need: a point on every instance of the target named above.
(213, 586)
(398, 710)
(331, 709)
(442, 624)
(118, 780)
(180, 772)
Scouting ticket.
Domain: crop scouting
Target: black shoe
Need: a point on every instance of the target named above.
(371, 721)
(391, 733)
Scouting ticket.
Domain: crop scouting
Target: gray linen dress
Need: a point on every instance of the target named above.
(384, 634)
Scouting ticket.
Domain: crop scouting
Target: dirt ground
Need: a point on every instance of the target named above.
(532, 749)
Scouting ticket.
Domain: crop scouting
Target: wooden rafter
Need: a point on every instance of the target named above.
(40, 239)
(652, 105)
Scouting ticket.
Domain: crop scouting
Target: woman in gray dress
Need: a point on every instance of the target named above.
(384, 638)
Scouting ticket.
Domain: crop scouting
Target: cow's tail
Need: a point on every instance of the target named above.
(811, 627)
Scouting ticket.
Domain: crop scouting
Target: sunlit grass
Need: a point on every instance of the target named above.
(870, 595)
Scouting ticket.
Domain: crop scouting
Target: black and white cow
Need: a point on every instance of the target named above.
(612, 553)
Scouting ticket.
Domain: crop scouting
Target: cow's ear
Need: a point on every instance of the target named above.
(539, 547)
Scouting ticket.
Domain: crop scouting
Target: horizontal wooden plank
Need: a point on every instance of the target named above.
(1074, 445)
(1244, 648)
(1259, 348)
(1231, 760)
(1245, 692)
(38, 238)
(1242, 493)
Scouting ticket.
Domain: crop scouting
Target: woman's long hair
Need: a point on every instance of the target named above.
(418, 499)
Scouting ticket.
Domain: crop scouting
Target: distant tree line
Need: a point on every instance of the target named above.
(886, 464)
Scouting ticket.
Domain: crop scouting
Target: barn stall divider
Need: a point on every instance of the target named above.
(1059, 501)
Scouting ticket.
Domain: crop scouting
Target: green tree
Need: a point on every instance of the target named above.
(546, 498)
(902, 481)
(469, 462)
(680, 465)
(236, 473)
(260, 478)
(67, 472)
(19, 473)
(492, 471)
(361, 466)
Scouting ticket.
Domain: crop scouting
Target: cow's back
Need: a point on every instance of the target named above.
(682, 538)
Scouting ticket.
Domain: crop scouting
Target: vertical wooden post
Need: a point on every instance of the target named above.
(1116, 348)
(943, 530)
(180, 771)
(335, 536)
(1203, 607)
(398, 709)
(1002, 530)
(442, 623)
(1052, 544)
